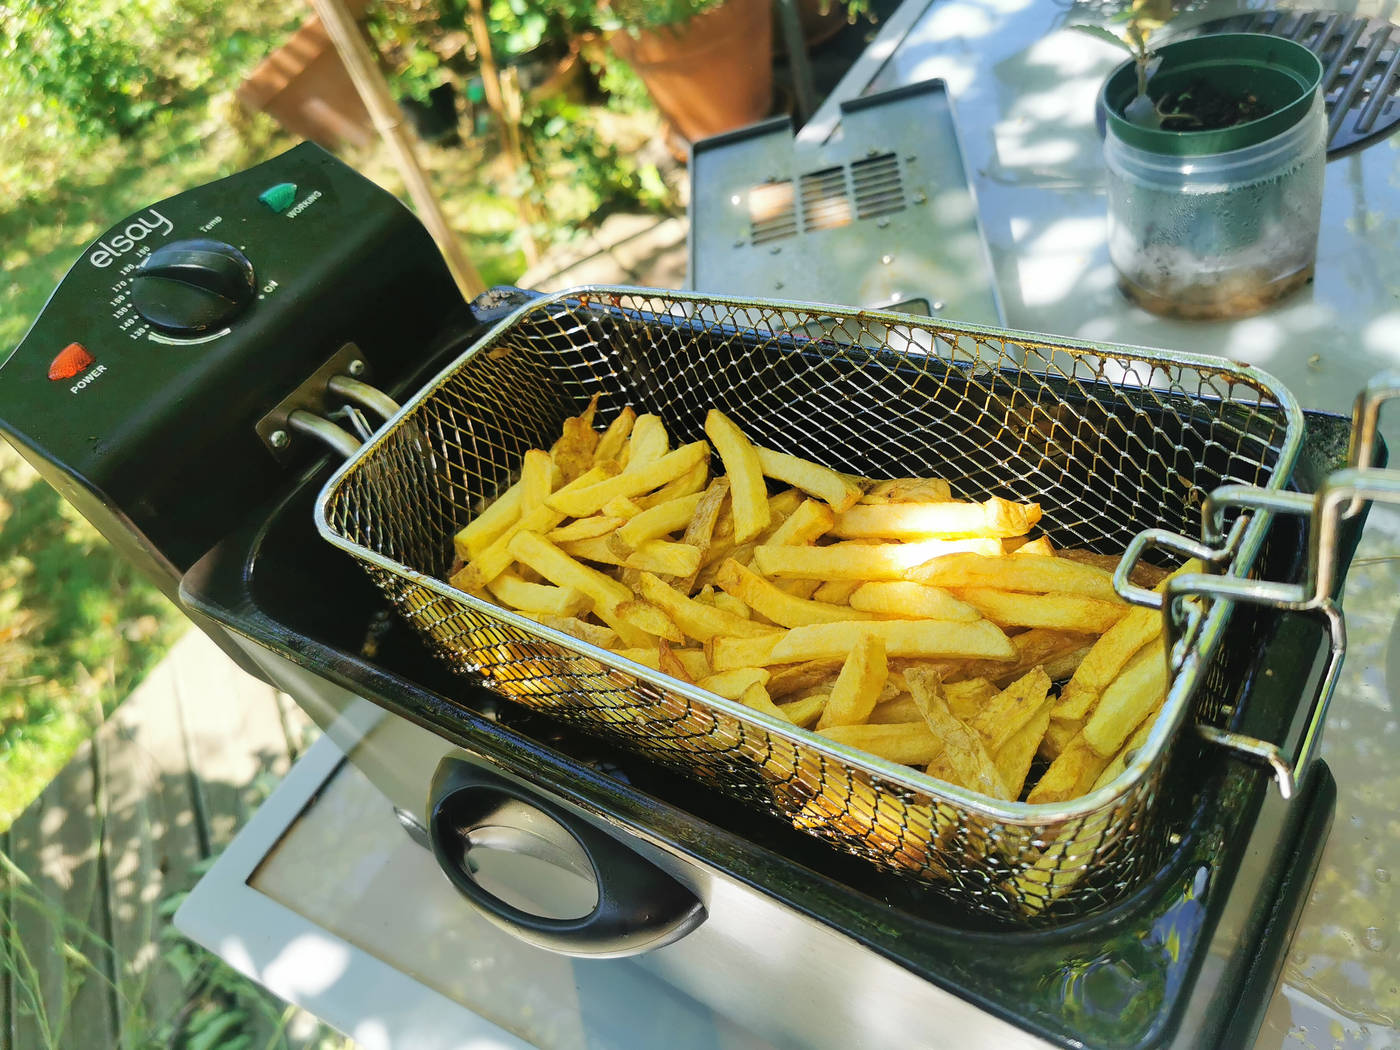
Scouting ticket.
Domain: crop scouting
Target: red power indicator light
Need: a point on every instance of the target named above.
(71, 360)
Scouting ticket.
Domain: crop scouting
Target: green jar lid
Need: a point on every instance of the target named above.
(1282, 74)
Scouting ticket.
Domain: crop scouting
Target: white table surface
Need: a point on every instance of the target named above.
(1024, 88)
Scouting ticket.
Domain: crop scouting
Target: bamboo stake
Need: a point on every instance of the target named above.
(384, 112)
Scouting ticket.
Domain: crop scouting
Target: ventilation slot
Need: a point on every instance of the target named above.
(825, 202)
(879, 189)
(772, 212)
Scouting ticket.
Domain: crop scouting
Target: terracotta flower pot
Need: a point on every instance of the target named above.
(711, 74)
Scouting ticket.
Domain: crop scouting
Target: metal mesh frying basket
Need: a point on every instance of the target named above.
(1109, 441)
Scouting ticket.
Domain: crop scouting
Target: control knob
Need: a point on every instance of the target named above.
(192, 285)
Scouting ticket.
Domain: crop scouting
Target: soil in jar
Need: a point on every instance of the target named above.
(1205, 106)
(1236, 295)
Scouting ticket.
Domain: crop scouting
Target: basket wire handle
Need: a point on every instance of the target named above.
(1339, 498)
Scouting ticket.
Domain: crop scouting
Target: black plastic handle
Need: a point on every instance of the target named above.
(639, 906)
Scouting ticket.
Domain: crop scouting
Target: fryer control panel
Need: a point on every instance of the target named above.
(138, 388)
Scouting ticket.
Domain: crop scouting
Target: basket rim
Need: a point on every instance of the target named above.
(1184, 681)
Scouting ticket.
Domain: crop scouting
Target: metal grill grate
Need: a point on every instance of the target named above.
(1110, 441)
(1360, 67)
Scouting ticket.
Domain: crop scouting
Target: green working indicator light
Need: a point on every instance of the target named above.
(279, 198)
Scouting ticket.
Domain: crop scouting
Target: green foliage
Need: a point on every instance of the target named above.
(636, 15)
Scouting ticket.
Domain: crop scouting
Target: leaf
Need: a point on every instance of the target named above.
(1106, 35)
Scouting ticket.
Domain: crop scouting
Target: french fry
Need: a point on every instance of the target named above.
(1060, 612)
(692, 660)
(700, 531)
(780, 607)
(924, 638)
(1129, 698)
(731, 684)
(947, 520)
(1057, 736)
(808, 523)
(509, 589)
(1002, 716)
(834, 489)
(581, 502)
(909, 743)
(573, 452)
(963, 759)
(1106, 659)
(584, 529)
(560, 569)
(731, 604)
(1010, 572)
(1144, 575)
(614, 439)
(659, 556)
(689, 483)
(806, 711)
(478, 533)
(907, 490)
(729, 652)
(861, 561)
(836, 592)
(701, 622)
(1126, 754)
(858, 686)
(1071, 774)
(818, 675)
(659, 520)
(648, 443)
(668, 663)
(756, 697)
(622, 507)
(1013, 760)
(646, 617)
(1041, 546)
(967, 697)
(745, 472)
(909, 601)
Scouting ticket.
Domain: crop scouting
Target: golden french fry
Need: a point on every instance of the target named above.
(860, 561)
(907, 490)
(1013, 760)
(1128, 699)
(780, 607)
(655, 522)
(900, 708)
(510, 589)
(659, 556)
(1071, 774)
(728, 652)
(1106, 659)
(622, 507)
(1011, 572)
(700, 530)
(573, 452)
(584, 529)
(668, 663)
(1125, 755)
(747, 489)
(731, 684)
(756, 697)
(808, 523)
(969, 696)
(947, 520)
(934, 638)
(478, 533)
(558, 568)
(699, 621)
(910, 743)
(806, 711)
(648, 443)
(689, 483)
(692, 660)
(646, 617)
(1143, 575)
(629, 636)
(1060, 612)
(910, 601)
(1041, 546)
(836, 592)
(614, 439)
(1004, 714)
(1057, 736)
(858, 686)
(827, 485)
(729, 603)
(963, 759)
(792, 680)
(579, 503)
